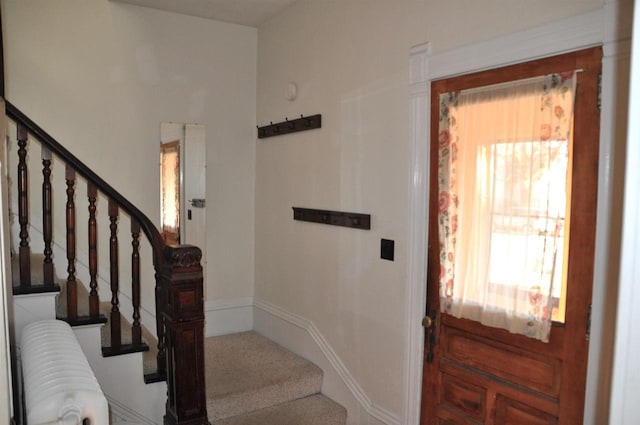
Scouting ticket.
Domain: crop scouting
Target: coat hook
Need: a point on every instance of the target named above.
(301, 116)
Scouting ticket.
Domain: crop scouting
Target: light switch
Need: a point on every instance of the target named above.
(386, 249)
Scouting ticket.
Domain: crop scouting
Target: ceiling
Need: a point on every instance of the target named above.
(244, 12)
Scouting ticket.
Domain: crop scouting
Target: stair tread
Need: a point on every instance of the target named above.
(247, 372)
(313, 410)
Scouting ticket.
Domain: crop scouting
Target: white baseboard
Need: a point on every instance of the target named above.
(228, 316)
(301, 336)
(121, 414)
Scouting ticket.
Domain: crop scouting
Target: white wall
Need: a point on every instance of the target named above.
(101, 76)
(350, 62)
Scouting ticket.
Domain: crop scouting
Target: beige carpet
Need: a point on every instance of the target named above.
(252, 380)
(313, 410)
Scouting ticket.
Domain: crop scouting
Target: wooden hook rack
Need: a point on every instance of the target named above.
(290, 126)
(336, 218)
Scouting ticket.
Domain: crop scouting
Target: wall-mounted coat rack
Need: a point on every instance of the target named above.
(336, 218)
(290, 126)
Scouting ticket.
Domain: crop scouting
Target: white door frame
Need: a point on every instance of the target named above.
(601, 27)
(626, 372)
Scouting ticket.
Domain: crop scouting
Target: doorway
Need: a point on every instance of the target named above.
(183, 184)
(475, 373)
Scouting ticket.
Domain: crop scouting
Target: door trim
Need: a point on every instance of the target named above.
(575, 33)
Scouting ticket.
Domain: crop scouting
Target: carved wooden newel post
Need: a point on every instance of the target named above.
(183, 313)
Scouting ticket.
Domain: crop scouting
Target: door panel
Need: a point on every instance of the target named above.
(522, 368)
(474, 374)
(509, 411)
(449, 417)
(462, 396)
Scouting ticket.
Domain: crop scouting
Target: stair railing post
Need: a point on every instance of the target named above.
(47, 226)
(23, 209)
(136, 330)
(181, 279)
(94, 300)
(114, 317)
(160, 327)
(72, 284)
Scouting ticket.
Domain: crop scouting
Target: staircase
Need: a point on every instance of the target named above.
(253, 381)
(249, 379)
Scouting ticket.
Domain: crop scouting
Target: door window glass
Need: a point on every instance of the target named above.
(503, 202)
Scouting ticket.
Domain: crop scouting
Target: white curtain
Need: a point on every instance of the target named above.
(503, 166)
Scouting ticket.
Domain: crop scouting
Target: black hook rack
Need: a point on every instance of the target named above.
(336, 218)
(290, 126)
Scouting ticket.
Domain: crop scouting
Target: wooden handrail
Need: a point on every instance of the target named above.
(149, 229)
(178, 276)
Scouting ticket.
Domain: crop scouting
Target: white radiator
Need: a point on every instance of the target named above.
(59, 385)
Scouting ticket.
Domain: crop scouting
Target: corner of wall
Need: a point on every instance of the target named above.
(301, 336)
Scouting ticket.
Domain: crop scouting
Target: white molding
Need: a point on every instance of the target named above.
(354, 387)
(578, 32)
(616, 50)
(553, 38)
(626, 367)
(418, 235)
(123, 415)
(227, 316)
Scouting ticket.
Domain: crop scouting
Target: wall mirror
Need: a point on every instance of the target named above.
(183, 184)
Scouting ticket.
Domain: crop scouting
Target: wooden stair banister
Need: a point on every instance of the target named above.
(178, 274)
(56, 148)
(181, 278)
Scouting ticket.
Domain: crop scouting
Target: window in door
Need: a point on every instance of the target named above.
(503, 201)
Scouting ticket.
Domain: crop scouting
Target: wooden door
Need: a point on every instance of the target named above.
(170, 184)
(474, 374)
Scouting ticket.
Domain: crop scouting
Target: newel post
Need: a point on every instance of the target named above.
(181, 279)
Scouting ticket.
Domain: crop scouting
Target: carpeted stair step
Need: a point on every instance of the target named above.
(149, 353)
(313, 410)
(247, 372)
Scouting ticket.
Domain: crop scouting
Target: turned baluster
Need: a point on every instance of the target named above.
(160, 326)
(114, 318)
(24, 252)
(94, 302)
(47, 227)
(136, 334)
(72, 285)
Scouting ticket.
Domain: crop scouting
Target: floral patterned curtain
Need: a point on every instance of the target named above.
(504, 158)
